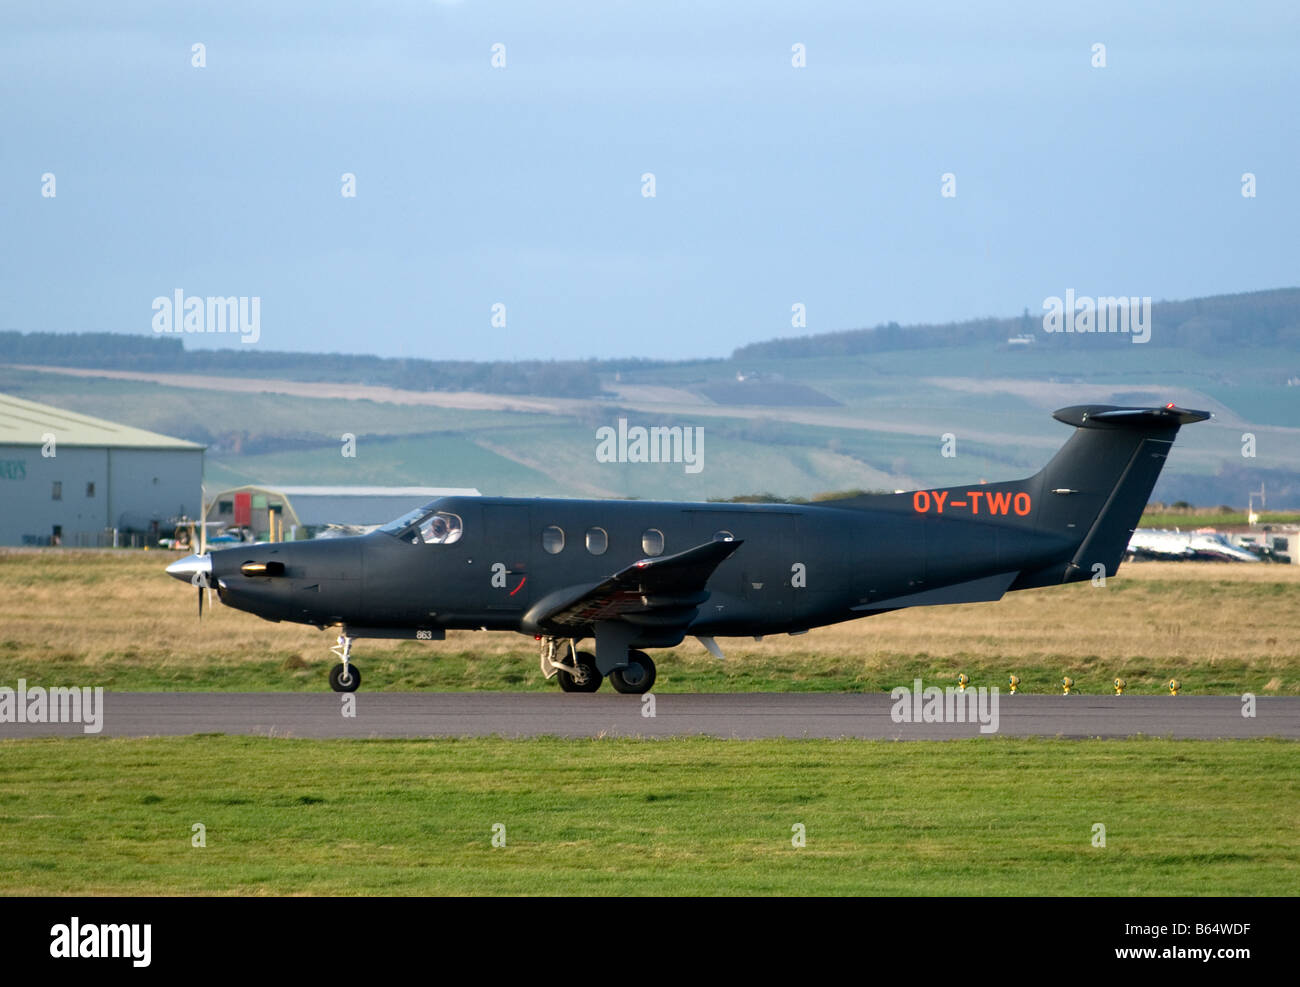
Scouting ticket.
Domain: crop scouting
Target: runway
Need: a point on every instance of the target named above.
(752, 715)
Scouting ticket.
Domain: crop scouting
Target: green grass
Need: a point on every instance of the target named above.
(173, 410)
(1211, 517)
(1260, 402)
(451, 460)
(688, 816)
(416, 667)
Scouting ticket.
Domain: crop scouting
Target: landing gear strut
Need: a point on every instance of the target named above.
(345, 676)
(577, 671)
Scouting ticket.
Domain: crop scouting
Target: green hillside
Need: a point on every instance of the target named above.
(869, 409)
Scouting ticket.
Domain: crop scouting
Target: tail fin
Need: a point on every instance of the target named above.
(1098, 484)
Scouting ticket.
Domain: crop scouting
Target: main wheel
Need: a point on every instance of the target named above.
(637, 678)
(588, 677)
(340, 684)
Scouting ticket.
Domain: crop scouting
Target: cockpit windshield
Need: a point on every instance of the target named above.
(398, 525)
(426, 525)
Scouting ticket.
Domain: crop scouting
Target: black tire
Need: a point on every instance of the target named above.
(639, 676)
(336, 678)
(591, 677)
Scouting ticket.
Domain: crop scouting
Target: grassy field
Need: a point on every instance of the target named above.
(690, 816)
(115, 619)
(1210, 517)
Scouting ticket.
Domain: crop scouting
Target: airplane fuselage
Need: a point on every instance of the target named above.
(800, 565)
(636, 574)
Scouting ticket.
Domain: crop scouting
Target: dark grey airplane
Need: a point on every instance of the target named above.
(631, 575)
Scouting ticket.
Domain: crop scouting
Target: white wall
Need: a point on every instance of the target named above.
(130, 485)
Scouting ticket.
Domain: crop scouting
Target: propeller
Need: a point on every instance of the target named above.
(197, 571)
(201, 578)
(202, 581)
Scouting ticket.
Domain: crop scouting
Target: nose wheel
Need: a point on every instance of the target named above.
(345, 676)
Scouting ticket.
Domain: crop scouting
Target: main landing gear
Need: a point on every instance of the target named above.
(345, 676)
(637, 677)
(576, 670)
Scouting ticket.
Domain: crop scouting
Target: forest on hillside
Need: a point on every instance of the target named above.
(1207, 325)
(125, 351)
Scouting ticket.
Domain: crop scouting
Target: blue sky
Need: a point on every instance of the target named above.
(522, 185)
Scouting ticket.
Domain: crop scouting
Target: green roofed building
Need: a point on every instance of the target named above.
(70, 479)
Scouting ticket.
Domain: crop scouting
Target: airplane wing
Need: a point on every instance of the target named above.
(663, 591)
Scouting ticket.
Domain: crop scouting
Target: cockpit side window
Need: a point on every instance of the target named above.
(441, 528)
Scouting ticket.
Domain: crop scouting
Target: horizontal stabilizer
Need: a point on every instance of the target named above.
(1110, 416)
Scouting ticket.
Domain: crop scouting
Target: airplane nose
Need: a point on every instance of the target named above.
(185, 569)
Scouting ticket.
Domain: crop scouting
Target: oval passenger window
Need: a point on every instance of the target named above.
(652, 542)
(553, 539)
(597, 541)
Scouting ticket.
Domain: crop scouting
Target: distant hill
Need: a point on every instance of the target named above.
(864, 408)
(129, 351)
(1206, 325)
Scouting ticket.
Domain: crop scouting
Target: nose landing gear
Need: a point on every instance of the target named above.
(345, 676)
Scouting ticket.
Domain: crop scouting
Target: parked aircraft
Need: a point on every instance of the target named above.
(1150, 543)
